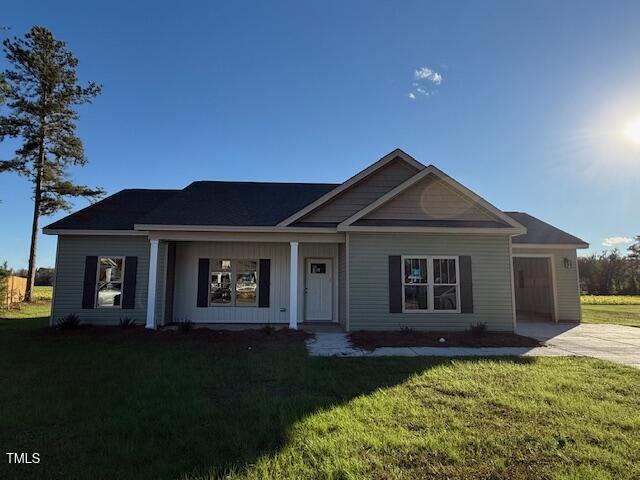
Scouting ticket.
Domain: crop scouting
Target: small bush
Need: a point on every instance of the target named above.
(268, 329)
(70, 322)
(185, 325)
(404, 330)
(127, 322)
(478, 329)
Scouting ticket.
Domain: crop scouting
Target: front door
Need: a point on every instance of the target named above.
(318, 289)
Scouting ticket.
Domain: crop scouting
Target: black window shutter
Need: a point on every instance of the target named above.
(130, 274)
(395, 284)
(89, 288)
(264, 283)
(203, 282)
(466, 285)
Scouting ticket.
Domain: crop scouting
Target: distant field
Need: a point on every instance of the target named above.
(610, 299)
(41, 307)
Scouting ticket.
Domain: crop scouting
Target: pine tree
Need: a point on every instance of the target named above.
(41, 90)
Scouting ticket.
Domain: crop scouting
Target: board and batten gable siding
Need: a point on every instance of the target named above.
(369, 283)
(566, 280)
(363, 193)
(69, 283)
(431, 199)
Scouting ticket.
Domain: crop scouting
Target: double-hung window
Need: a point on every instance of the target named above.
(234, 283)
(430, 283)
(110, 281)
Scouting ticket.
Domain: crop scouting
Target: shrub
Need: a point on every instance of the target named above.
(268, 329)
(127, 322)
(185, 325)
(70, 322)
(404, 330)
(478, 329)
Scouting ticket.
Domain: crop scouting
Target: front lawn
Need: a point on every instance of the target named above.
(618, 314)
(133, 404)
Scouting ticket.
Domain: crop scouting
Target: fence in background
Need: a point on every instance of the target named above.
(14, 291)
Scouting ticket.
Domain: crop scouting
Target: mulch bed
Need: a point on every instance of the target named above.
(175, 335)
(369, 340)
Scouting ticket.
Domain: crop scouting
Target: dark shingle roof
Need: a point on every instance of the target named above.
(119, 211)
(251, 204)
(541, 232)
(235, 203)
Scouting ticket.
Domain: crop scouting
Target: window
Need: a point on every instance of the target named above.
(430, 284)
(318, 268)
(246, 282)
(221, 282)
(109, 284)
(416, 284)
(234, 283)
(445, 286)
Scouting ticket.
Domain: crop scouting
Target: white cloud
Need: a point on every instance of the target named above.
(425, 73)
(613, 241)
(425, 82)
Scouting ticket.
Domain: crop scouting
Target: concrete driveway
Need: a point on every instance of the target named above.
(617, 343)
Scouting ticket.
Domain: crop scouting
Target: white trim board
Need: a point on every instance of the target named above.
(127, 233)
(554, 246)
(431, 170)
(397, 153)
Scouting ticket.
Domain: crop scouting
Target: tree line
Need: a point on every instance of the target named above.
(611, 272)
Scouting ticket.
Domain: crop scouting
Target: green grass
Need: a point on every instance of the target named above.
(617, 314)
(39, 308)
(610, 299)
(125, 404)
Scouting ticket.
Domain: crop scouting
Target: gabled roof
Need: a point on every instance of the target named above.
(120, 211)
(508, 222)
(250, 205)
(395, 154)
(234, 203)
(539, 232)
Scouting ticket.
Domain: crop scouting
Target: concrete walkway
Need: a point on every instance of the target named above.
(617, 343)
(610, 342)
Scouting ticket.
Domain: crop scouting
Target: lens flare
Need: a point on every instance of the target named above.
(632, 131)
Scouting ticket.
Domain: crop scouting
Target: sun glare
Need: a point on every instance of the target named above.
(632, 130)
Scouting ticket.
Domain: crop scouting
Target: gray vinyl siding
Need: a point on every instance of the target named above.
(431, 199)
(69, 282)
(342, 283)
(566, 279)
(369, 283)
(363, 193)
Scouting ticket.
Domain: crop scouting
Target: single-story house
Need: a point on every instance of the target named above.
(400, 244)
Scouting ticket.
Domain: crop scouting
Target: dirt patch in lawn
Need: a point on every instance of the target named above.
(368, 340)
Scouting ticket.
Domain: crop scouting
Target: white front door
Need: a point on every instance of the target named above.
(318, 289)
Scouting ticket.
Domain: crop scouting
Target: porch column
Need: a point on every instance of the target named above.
(151, 287)
(293, 287)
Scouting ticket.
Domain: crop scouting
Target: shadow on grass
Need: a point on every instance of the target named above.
(146, 406)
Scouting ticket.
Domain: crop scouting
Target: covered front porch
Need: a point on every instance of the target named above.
(247, 280)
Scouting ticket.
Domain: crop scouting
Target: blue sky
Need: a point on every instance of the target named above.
(525, 104)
